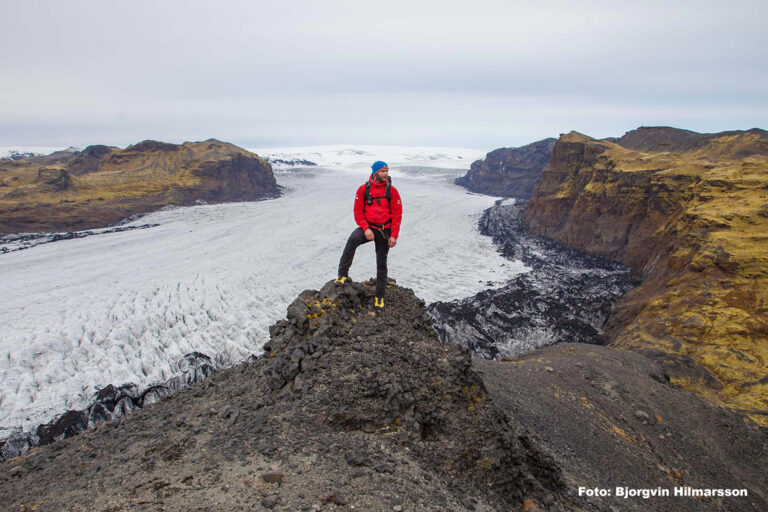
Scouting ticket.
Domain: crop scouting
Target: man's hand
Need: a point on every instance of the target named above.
(392, 241)
(368, 234)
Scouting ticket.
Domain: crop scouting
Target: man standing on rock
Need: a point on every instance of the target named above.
(378, 212)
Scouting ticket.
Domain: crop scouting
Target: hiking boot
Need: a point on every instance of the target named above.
(378, 302)
(341, 280)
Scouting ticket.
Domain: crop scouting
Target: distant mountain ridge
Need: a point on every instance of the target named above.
(509, 172)
(100, 185)
(515, 172)
(665, 138)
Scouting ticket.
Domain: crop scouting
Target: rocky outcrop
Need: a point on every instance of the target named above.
(88, 160)
(96, 187)
(687, 220)
(388, 372)
(509, 172)
(57, 180)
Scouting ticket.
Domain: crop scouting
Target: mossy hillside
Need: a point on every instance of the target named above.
(693, 225)
(107, 185)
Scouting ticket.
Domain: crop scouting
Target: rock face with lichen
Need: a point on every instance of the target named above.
(686, 212)
(509, 172)
(76, 190)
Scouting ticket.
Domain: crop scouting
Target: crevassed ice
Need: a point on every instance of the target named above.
(125, 307)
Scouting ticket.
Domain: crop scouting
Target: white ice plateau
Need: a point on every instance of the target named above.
(125, 307)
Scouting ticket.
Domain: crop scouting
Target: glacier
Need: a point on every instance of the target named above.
(125, 307)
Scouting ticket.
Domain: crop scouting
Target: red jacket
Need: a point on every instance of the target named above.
(379, 212)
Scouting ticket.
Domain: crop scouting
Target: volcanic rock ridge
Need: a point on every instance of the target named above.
(347, 407)
(355, 408)
(100, 185)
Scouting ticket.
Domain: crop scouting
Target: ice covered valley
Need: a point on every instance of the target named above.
(126, 307)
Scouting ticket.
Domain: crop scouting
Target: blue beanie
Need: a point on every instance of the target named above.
(377, 166)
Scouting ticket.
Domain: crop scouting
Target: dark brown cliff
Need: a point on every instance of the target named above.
(509, 172)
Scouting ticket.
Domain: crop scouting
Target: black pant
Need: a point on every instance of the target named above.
(356, 239)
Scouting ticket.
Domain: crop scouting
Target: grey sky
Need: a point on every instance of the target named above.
(480, 74)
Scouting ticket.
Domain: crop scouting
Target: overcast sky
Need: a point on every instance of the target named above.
(480, 74)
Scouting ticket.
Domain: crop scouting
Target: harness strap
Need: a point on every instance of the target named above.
(369, 199)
